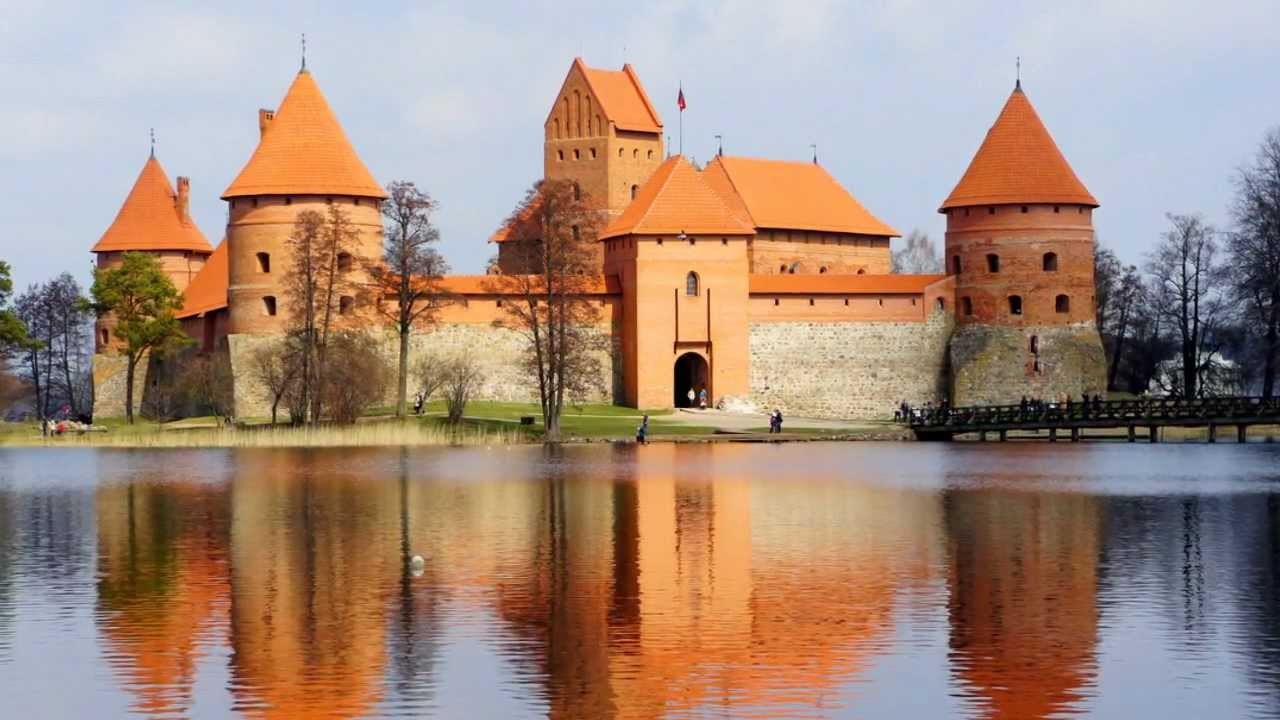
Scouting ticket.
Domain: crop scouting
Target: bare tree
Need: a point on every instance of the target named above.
(1118, 292)
(1254, 247)
(410, 271)
(318, 279)
(207, 385)
(459, 378)
(276, 367)
(554, 229)
(357, 376)
(429, 372)
(918, 256)
(1183, 269)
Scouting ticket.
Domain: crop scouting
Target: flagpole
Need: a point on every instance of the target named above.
(682, 119)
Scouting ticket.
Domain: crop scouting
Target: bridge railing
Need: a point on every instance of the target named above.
(1139, 411)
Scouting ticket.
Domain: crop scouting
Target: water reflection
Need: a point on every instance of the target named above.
(616, 582)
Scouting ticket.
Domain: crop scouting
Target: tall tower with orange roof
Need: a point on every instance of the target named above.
(303, 161)
(1020, 245)
(154, 219)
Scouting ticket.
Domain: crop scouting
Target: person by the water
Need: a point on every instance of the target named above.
(702, 398)
(642, 432)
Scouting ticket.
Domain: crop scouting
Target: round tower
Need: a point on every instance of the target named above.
(154, 219)
(303, 161)
(1020, 245)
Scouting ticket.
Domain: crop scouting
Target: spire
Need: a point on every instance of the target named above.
(1018, 163)
(305, 152)
(814, 148)
(1017, 83)
(304, 53)
(153, 142)
(151, 218)
(719, 145)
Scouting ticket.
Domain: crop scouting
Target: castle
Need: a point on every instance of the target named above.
(762, 281)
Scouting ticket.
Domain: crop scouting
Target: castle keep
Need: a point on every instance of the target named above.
(763, 281)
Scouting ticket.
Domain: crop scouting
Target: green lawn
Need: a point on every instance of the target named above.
(586, 421)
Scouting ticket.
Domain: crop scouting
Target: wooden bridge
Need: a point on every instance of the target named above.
(1075, 418)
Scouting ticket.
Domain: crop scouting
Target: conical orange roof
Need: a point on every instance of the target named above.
(150, 218)
(304, 151)
(676, 199)
(1018, 163)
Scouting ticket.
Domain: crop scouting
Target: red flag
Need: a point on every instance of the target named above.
(680, 100)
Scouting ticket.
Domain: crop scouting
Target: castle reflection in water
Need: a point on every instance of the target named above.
(621, 584)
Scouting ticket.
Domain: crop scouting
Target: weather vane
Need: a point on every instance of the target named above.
(719, 145)
(1018, 72)
(814, 148)
(304, 51)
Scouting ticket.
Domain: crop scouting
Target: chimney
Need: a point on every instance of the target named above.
(265, 117)
(183, 201)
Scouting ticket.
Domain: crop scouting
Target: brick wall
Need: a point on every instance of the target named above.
(850, 369)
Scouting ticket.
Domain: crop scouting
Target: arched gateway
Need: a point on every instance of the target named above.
(690, 373)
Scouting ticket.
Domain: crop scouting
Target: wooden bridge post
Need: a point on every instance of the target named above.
(1213, 433)
(1153, 434)
(982, 436)
(1132, 435)
(1004, 435)
(1242, 433)
(1053, 434)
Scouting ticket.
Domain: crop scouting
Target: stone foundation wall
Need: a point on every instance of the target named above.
(498, 351)
(994, 365)
(856, 370)
(109, 370)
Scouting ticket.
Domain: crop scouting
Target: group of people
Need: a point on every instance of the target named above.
(1061, 402)
(775, 421)
(907, 413)
(700, 397)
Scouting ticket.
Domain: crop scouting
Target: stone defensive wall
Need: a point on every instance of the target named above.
(998, 365)
(474, 324)
(853, 355)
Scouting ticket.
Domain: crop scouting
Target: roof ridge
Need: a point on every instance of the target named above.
(728, 176)
(644, 96)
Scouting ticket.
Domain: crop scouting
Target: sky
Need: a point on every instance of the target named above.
(1155, 104)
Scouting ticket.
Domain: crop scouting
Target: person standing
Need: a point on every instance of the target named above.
(702, 398)
(692, 396)
(642, 432)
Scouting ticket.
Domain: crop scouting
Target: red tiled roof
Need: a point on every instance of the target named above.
(622, 98)
(780, 194)
(676, 199)
(208, 289)
(503, 233)
(149, 219)
(1017, 163)
(841, 284)
(304, 151)
(502, 284)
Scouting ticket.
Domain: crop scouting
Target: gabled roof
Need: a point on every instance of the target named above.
(621, 97)
(1017, 163)
(208, 289)
(150, 218)
(676, 199)
(785, 195)
(787, 284)
(304, 151)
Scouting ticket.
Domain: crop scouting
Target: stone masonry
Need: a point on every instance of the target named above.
(997, 365)
(848, 370)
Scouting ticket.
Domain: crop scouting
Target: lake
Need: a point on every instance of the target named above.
(803, 580)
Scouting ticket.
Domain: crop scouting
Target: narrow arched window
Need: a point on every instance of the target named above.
(1050, 262)
(619, 152)
(346, 304)
(1033, 344)
(967, 304)
(955, 264)
(560, 155)
(1015, 304)
(1062, 304)
(650, 155)
(634, 189)
(941, 304)
(822, 270)
(577, 191)
(691, 284)
(264, 262)
(344, 262)
(993, 263)
(593, 153)
(269, 305)
(577, 154)
(635, 154)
